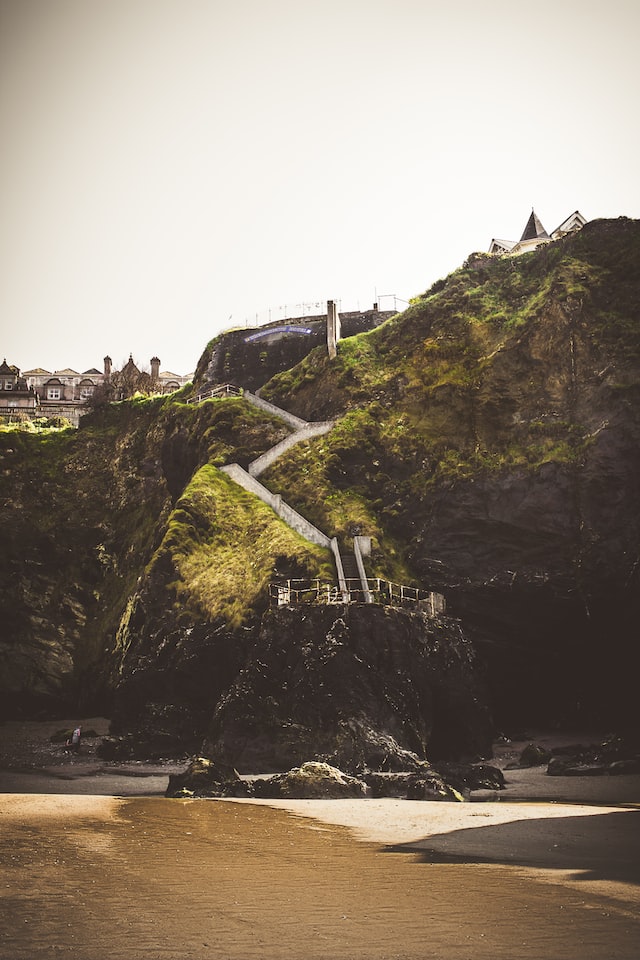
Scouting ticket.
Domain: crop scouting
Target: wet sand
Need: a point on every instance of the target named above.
(94, 877)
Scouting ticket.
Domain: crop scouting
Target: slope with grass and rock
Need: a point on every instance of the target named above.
(486, 440)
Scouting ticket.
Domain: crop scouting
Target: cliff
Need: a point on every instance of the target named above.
(487, 440)
(491, 433)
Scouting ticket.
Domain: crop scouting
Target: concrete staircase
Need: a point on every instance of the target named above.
(302, 430)
(258, 466)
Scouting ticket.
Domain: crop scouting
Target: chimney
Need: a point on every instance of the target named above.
(107, 367)
(155, 368)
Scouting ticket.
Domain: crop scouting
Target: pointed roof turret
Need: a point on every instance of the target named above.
(534, 229)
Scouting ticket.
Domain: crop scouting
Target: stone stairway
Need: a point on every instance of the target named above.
(258, 466)
(302, 430)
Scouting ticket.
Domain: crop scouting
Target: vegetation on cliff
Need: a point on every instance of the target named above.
(487, 439)
(89, 514)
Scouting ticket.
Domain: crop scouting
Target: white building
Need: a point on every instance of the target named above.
(534, 235)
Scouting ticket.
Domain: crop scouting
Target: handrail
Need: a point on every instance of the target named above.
(293, 592)
(221, 390)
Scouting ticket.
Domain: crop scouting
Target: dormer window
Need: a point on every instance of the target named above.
(8, 384)
(53, 393)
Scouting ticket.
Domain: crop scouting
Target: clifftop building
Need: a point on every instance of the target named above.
(64, 393)
(534, 235)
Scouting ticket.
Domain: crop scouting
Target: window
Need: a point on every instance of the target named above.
(53, 393)
(86, 392)
(8, 384)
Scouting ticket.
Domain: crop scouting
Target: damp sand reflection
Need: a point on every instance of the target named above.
(95, 878)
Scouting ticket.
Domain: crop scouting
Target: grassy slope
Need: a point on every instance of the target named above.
(476, 378)
(223, 546)
(86, 512)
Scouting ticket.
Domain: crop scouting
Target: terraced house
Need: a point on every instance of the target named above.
(65, 393)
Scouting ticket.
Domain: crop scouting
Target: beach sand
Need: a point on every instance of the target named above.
(127, 876)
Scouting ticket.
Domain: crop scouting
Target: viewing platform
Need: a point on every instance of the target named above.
(383, 592)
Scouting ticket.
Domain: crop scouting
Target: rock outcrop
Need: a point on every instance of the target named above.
(310, 781)
(359, 687)
(205, 778)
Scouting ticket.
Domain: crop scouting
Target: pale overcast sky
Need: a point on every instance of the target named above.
(170, 168)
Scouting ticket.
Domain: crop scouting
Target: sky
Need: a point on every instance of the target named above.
(173, 168)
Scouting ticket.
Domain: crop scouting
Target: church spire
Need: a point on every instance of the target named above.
(534, 229)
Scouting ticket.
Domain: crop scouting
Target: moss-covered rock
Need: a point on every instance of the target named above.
(313, 780)
(207, 778)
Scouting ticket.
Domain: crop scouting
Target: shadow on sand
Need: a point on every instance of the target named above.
(602, 846)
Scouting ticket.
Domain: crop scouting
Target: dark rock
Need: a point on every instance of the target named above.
(471, 776)
(624, 766)
(575, 767)
(432, 787)
(619, 747)
(618, 754)
(427, 783)
(391, 784)
(207, 778)
(360, 687)
(170, 680)
(534, 755)
(311, 781)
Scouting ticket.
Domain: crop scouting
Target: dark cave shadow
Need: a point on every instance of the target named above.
(604, 846)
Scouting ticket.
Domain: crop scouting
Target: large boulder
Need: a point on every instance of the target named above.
(468, 777)
(207, 778)
(311, 781)
(359, 687)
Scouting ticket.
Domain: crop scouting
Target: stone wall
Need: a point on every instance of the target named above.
(250, 357)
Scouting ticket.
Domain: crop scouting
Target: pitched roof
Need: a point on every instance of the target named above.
(92, 372)
(36, 372)
(497, 244)
(130, 365)
(573, 222)
(534, 229)
(66, 373)
(6, 369)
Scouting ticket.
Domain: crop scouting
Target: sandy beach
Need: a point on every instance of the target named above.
(550, 870)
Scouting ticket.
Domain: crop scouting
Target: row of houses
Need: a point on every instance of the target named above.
(65, 393)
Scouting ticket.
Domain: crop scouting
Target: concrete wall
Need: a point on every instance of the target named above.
(275, 501)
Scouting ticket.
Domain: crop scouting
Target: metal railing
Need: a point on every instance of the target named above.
(221, 390)
(293, 592)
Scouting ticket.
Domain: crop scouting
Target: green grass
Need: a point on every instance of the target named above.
(225, 546)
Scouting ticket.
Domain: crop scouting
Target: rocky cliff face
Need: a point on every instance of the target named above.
(83, 514)
(502, 451)
(487, 440)
(361, 687)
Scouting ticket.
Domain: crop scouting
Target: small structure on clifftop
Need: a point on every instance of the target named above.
(534, 234)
